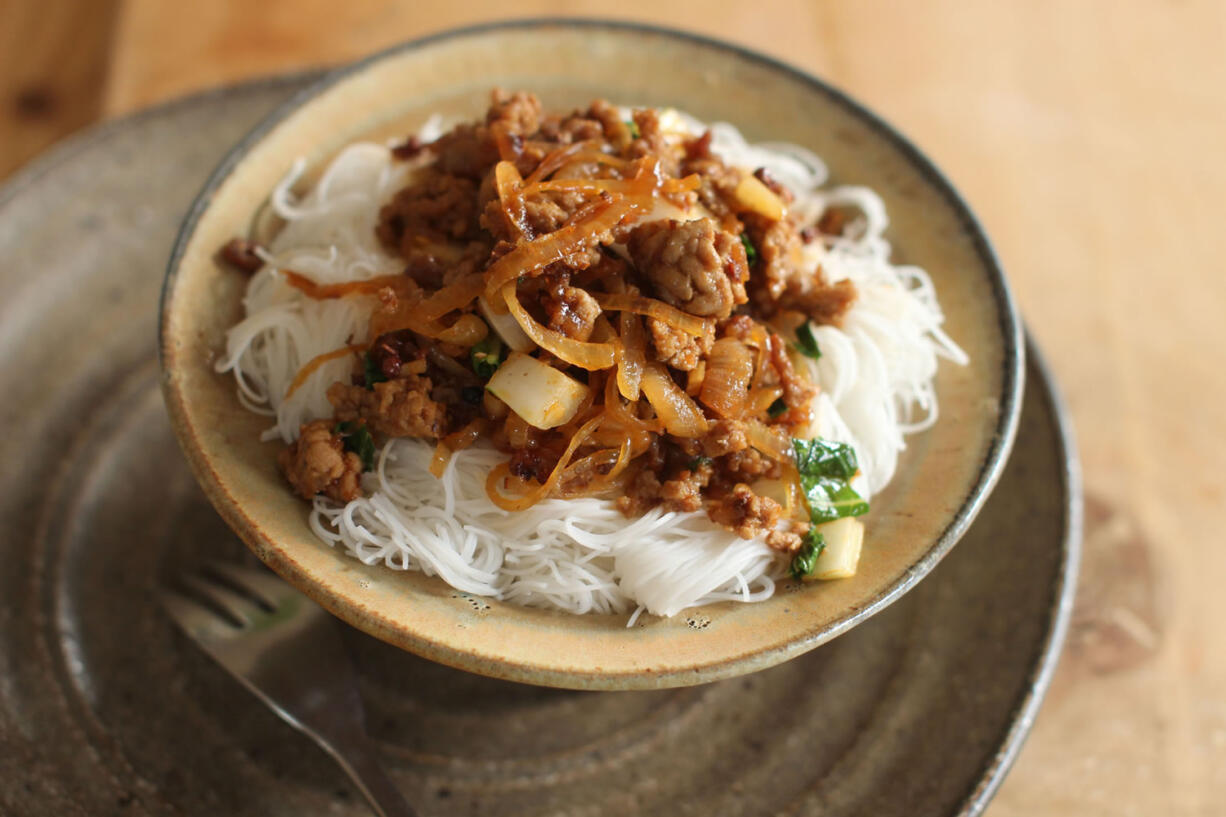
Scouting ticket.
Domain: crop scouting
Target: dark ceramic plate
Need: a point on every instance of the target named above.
(106, 709)
(943, 477)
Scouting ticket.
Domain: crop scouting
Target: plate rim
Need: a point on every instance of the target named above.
(1060, 611)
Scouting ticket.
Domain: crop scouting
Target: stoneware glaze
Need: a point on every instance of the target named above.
(943, 479)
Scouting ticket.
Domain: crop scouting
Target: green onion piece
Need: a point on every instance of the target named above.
(751, 252)
(699, 461)
(831, 499)
(357, 439)
(805, 560)
(371, 372)
(825, 458)
(487, 356)
(806, 342)
(635, 133)
(776, 408)
(825, 468)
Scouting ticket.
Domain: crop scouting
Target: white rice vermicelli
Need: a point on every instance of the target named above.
(580, 555)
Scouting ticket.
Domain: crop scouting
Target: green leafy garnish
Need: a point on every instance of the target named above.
(824, 458)
(358, 440)
(825, 468)
(751, 252)
(806, 343)
(805, 559)
(371, 372)
(831, 499)
(487, 355)
(776, 408)
(635, 133)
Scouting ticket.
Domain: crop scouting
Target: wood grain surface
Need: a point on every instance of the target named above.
(1086, 134)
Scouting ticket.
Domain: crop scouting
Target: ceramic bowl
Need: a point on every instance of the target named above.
(943, 478)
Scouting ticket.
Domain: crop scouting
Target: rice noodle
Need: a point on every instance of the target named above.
(576, 554)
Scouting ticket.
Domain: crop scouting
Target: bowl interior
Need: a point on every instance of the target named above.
(942, 479)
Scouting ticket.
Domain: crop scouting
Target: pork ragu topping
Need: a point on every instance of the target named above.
(609, 304)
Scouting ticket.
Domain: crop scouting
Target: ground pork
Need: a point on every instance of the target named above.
(724, 437)
(396, 408)
(440, 207)
(572, 311)
(678, 349)
(745, 512)
(317, 463)
(691, 265)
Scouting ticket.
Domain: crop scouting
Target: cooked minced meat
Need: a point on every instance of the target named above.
(317, 463)
(618, 252)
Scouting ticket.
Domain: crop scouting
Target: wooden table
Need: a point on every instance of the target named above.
(1088, 136)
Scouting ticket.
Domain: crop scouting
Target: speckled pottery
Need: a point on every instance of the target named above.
(105, 708)
(941, 483)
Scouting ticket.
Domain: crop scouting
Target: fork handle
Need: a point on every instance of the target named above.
(358, 758)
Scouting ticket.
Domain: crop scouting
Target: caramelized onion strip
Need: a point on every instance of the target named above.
(680, 415)
(323, 292)
(456, 441)
(762, 399)
(590, 356)
(529, 256)
(468, 329)
(622, 186)
(502, 471)
(770, 440)
(451, 297)
(725, 385)
(632, 358)
(621, 458)
(560, 156)
(507, 183)
(317, 361)
(653, 308)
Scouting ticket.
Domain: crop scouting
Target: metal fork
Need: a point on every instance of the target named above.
(287, 650)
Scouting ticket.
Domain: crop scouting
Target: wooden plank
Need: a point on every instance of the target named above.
(53, 61)
(164, 50)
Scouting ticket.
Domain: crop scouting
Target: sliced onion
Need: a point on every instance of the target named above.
(652, 308)
(680, 415)
(633, 356)
(468, 329)
(772, 441)
(507, 183)
(560, 156)
(694, 378)
(762, 399)
(457, 441)
(314, 363)
(502, 472)
(621, 421)
(529, 256)
(370, 286)
(590, 356)
(454, 296)
(622, 186)
(725, 386)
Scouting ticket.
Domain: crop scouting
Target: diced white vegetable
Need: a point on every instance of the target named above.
(776, 489)
(752, 195)
(506, 326)
(537, 392)
(844, 538)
